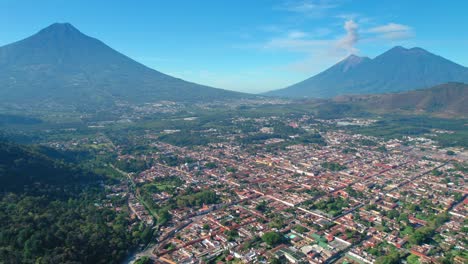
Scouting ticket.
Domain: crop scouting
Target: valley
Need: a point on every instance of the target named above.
(215, 184)
(104, 159)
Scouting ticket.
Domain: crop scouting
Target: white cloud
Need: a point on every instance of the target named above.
(317, 42)
(390, 27)
(308, 5)
(295, 44)
(320, 49)
(392, 31)
(312, 43)
(296, 34)
(310, 8)
(324, 46)
(349, 41)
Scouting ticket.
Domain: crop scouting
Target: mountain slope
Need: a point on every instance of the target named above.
(446, 99)
(398, 69)
(60, 64)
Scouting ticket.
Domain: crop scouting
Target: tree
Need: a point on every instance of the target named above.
(412, 259)
(262, 206)
(300, 229)
(392, 214)
(143, 260)
(421, 235)
(272, 238)
(211, 165)
(164, 216)
(392, 258)
(277, 223)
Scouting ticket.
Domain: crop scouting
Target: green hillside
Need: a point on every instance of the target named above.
(50, 212)
(443, 100)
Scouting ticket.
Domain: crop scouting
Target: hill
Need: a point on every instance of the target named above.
(445, 100)
(50, 212)
(24, 167)
(61, 65)
(398, 69)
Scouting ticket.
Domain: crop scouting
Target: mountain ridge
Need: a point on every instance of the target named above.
(398, 69)
(446, 100)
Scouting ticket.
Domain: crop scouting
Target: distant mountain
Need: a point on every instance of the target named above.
(398, 69)
(444, 100)
(61, 65)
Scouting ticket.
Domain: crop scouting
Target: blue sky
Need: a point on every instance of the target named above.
(249, 45)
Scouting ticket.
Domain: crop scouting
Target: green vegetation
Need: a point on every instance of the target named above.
(262, 206)
(144, 260)
(461, 167)
(277, 222)
(166, 184)
(333, 206)
(353, 193)
(349, 150)
(450, 153)
(412, 259)
(133, 165)
(333, 166)
(211, 165)
(300, 229)
(309, 138)
(51, 212)
(380, 249)
(253, 243)
(423, 234)
(197, 199)
(173, 160)
(231, 234)
(57, 230)
(392, 258)
(22, 166)
(314, 192)
(367, 142)
(7, 119)
(272, 238)
(331, 110)
(399, 126)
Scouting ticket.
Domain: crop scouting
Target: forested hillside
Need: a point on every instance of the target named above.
(51, 212)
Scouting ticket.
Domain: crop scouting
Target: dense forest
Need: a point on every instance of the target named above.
(23, 168)
(51, 212)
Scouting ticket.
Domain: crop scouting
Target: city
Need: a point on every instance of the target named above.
(253, 132)
(348, 197)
